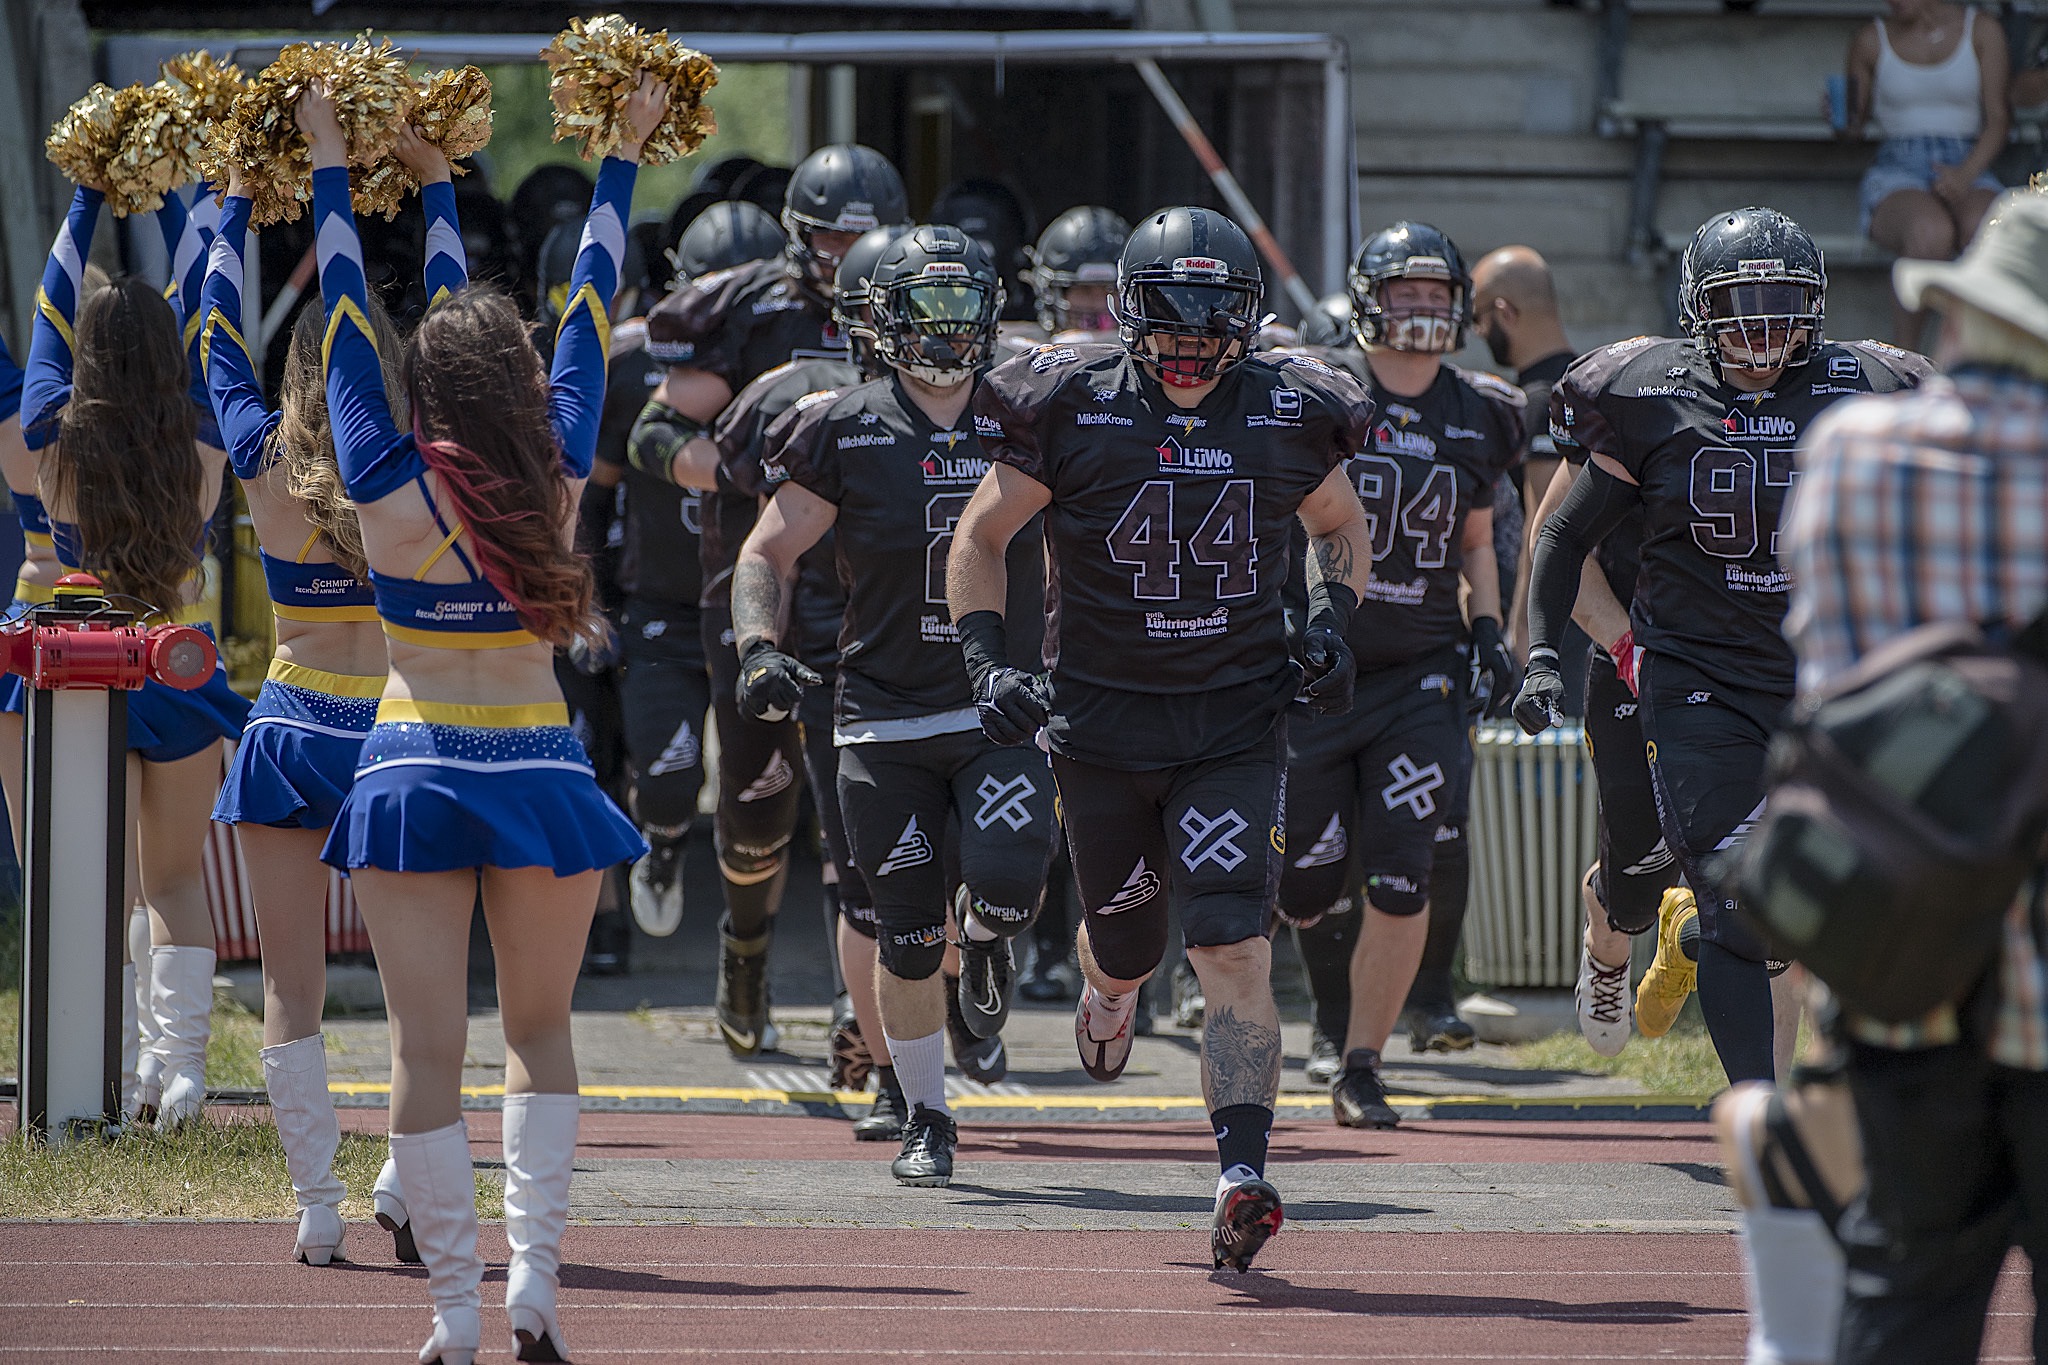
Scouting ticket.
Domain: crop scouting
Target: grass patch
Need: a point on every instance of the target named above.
(1682, 1062)
(229, 1169)
(232, 1054)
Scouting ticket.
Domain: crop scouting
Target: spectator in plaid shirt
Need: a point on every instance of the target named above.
(1911, 508)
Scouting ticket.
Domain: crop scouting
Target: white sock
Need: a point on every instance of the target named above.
(1795, 1272)
(972, 927)
(1236, 1175)
(1115, 1009)
(921, 1068)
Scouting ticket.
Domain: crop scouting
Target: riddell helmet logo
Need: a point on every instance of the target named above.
(950, 269)
(1770, 267)
(857, 215)
(1200, 265)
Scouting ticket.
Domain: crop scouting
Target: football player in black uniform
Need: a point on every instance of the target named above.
(665, 687)
(1170, 470)
(1376, 785)
(888, 466)
(817, 608)
(1072, 275)
(1699, 434)
(717, 334)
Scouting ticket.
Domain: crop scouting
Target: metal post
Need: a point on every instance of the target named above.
(841, 110)
(75, 928)
(1340, 174)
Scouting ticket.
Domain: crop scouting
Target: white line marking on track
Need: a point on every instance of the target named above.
(1462, 1272)
(1590, 1312)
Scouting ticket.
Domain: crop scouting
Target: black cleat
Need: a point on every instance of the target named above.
(1325, 1061)
(884, 1122)
(742, 1002)
(927, 1156)
(1047, 979)
(1437, 1029)
(986, 979)
(852, 1063)
(1358, 1099)
(979, 1059)
(1247, 1214)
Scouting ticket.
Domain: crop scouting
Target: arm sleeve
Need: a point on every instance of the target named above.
(232, 388)
(1595, 505)
(187, 239)
(583, 341)
(1006, 418)
(659, 435)
(447, 266)
(46, 382)
(375, 457)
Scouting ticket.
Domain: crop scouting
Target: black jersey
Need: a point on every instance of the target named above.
(818, 604)
(1168, 531)
(1714, 464)
(738, 324)
(900, 483)
(1428, 463)
(657, 556)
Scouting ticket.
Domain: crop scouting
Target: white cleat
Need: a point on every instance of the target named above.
(1607, 1007)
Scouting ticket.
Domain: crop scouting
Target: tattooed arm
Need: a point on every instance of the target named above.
(792, 522)
(1340, 540)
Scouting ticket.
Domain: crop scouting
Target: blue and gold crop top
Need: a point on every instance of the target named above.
(377, 459)
(299, 590)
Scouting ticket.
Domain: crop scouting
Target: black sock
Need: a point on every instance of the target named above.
(1735, 996)
(1450, 890)
(1325, 949)
(885, 1081)
(749, 906)
(830, 898)
(1242, 1131)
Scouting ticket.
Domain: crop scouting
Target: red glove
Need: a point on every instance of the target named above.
(1628, 660)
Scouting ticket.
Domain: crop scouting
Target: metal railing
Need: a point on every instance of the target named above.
(1534, 809)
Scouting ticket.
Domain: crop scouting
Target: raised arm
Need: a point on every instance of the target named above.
(583, 341)
(375, 457)
(46, 381)
(447, 264)
(186, 240)
(232, 387)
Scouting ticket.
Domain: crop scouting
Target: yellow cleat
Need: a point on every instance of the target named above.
(1662, 991)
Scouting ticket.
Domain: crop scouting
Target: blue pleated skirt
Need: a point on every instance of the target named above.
(433, 796)
(298, 755)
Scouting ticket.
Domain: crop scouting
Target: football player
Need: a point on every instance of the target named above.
(1698, 433)
(717, 334)
(1170, 469)
(888, 466)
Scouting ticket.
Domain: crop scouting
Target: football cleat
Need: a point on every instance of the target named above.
(884, 1122)
(987, 978)
(1247, 1215)
(1359, 1098)
(655, 888)
(1437, 1029)
(1103, 1059)
(1325, 1061)
(979, 1059)
(852, 1063)
(928, 1142)
(1660, 995)
(742, 1002)
(1606, 1004)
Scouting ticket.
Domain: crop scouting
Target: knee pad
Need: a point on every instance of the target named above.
(1004, 920)
(1393, 893)
(1630, 908)
(858, 917)
(912, 954)
(746, 864)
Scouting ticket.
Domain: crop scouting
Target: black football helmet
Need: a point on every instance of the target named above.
(1409, 251)
(1329, 322)
(725, 234)
(841, 188)
(850, 296)
(933, 304)
(557, 263)
(1753, 291)
(1082, 246)
(1189, 273)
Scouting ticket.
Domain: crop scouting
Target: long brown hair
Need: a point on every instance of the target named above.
(480, 415)
(303, 443)
(126, 467)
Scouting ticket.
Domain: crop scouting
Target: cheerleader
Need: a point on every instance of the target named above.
(471, 780)
(130, 475)
(297, 759)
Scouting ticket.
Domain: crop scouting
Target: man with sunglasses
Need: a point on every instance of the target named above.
(1698, 433)
(1170, 470)
(887, 467)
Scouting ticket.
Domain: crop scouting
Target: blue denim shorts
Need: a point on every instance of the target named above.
(1910, 163)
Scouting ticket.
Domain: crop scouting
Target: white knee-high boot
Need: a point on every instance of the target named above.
(295, 1073)
(440, 1193)
(540, 1155)
(149, 1068)
(387, 1200)
(181, 997)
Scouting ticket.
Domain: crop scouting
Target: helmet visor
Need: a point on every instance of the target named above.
(1207, 308)
(944, 309)
(1763, 299)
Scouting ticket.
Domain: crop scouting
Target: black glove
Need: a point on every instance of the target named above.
(1492, 657)
(597, 651)
(1541, 703)
(771, 682)
(1330, 671)
(1012, 705)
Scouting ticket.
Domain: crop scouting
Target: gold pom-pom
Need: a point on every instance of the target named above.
(373, 97)
(454, 113)
(134, 144)
(209, 87)
(596, 64)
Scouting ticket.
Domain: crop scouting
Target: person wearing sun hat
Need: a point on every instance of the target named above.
(1948, 1109)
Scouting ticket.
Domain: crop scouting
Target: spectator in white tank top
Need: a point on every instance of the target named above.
(1934, 76)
